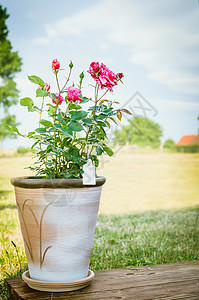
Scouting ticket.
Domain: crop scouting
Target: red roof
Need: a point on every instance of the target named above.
(195, 140)
(186, 140)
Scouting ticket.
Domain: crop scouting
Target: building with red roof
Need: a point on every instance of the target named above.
(189, 140)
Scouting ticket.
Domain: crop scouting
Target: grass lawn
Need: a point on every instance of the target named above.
(148, 212)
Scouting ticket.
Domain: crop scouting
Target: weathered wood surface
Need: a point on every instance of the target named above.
(168, 281)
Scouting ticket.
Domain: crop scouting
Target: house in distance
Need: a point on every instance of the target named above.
(188, 144)
(189, 140)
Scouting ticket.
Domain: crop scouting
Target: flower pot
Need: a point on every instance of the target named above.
(58, 219)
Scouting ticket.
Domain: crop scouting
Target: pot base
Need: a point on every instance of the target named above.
(58, 286)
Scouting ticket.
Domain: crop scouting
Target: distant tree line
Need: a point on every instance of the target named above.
(143, 132)
(140, 131)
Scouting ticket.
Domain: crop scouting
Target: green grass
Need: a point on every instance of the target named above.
(120, 241)
(144, 239)
(148, 214)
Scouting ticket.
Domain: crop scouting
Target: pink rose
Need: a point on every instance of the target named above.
(55, 64)
(73, 94)
(47, 87)
(104, 77)
(120, 75)
(58, 99)
(39, 87)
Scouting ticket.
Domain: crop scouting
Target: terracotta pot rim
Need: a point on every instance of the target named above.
(33, 182)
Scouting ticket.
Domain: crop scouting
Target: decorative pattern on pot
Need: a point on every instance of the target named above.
(58, 230)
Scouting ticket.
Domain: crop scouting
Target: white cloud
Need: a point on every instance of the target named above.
(165, 43)
(187, 83)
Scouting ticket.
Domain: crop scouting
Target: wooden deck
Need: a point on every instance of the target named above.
(169, 281)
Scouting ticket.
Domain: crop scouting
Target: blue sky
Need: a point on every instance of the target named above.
(154, 43)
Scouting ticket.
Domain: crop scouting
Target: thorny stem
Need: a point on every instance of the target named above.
(41, 110)
(67, 80)
(60, 91)
(94, 110)
(103, 95)
(64, 115)
(57, 82)
(55, 119)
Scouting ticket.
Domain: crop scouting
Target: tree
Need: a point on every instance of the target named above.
(140, 131)
(10, 64)
(169, 144)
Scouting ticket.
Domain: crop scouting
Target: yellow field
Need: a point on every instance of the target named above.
(135, 181)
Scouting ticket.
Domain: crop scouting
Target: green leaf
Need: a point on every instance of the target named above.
(112, 119)
(59, 117)
(36, 136)
(99, 151)
(87, 121)
(108, 124)
(74, 106)
(101, 123)
(34, 144)
(74, 152)
(52, 95)
(36, 80)
(13, 128)
(50, 105)
(84, 99)
(108, 111)
(51, 111)
(108, 151)
(66, 131)
(40, 130)
(41, 93)
(79, 115)
(46, 123)
(101, 116)
(27, 102)
(75, 126)
(30, 133)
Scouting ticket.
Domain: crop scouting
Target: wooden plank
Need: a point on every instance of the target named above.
(168, 281)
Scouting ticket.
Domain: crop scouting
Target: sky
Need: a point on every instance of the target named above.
(154, 43)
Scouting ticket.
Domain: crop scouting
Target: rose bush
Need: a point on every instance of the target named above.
(71, 134)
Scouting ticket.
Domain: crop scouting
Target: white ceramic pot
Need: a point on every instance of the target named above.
(58, 219)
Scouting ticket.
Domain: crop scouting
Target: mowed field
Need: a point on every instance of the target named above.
(135, 181)
(156, 181)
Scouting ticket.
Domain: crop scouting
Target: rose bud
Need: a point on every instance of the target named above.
(47, 87)
(55, 64)
(95, 66)
(120, 75)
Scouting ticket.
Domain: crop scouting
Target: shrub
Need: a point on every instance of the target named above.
(23, 150)
(187, 148)
(169, 144)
